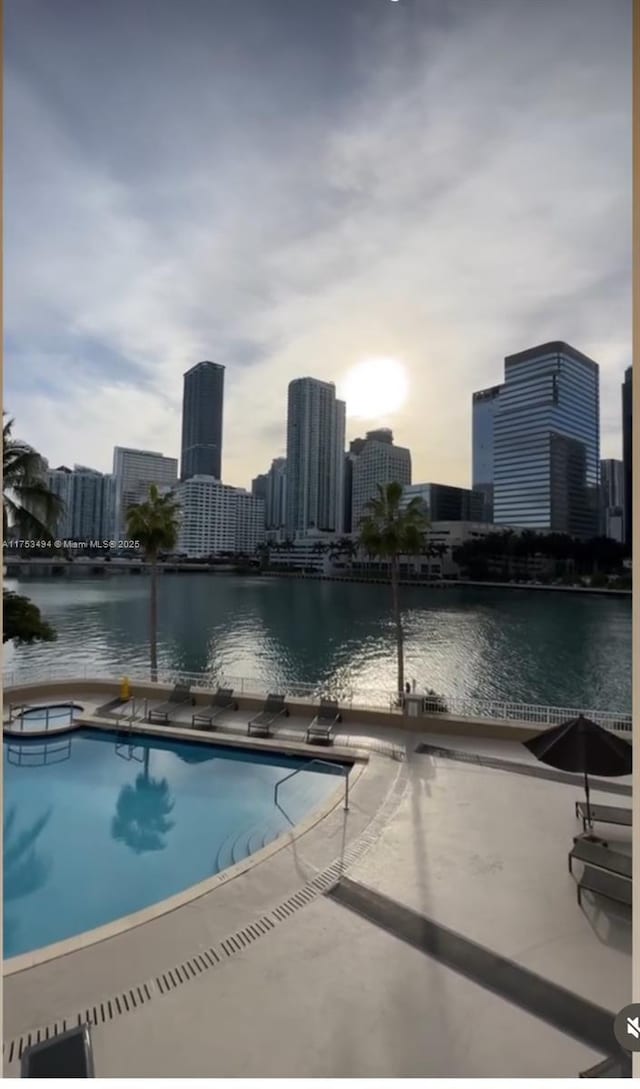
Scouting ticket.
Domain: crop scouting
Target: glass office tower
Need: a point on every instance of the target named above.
(547, 441)
(482, 427)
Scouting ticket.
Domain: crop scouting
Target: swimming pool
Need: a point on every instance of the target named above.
(46, 716)
(96, 828)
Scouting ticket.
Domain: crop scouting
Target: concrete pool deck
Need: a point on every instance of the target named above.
(471, 850)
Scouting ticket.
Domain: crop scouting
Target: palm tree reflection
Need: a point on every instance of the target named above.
(142, 811)
(24, 869)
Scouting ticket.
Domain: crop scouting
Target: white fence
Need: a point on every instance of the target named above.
(374, 699)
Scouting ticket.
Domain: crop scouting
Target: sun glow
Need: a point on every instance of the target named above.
(375, 388)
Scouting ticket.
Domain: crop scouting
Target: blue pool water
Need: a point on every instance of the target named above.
(95, 829)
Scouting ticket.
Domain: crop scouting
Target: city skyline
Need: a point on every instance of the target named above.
(360, 180)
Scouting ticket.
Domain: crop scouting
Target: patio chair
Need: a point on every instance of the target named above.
(181, 694)
(601, 858)
(320, 729)
(274, 708)
(604, 814)
(208, 716)
(68, 1055)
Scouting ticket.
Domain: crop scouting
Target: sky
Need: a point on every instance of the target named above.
(290, 187)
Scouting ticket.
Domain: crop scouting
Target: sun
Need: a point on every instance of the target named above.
(375, 388)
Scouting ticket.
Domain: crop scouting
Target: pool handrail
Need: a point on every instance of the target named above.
(344, 768)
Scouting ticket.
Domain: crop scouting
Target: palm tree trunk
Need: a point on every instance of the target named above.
(395, 598)
(153, 620)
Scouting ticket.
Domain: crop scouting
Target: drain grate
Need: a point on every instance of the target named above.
(171, 979)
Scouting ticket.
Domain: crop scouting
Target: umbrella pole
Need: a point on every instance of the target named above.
(586, 791)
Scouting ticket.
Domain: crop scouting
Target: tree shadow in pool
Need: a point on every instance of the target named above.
(25, 870)
(142, 811)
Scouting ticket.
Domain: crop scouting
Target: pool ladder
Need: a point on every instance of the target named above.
(316, 760)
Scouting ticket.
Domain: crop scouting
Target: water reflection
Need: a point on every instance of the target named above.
(24, 868)
(142, 810)
(562, 649)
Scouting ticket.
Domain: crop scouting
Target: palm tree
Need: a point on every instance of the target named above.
(388, 531)
(27, 502)
(155, 524)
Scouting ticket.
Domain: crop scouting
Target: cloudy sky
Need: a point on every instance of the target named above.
(289, 187)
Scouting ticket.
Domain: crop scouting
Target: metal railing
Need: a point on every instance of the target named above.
(345, 769)
(349, 698)
(19, 711)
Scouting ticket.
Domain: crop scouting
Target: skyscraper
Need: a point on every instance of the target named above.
(612, 499)
(276, 500)
(627, 455)
(133, 472)
(202, 406)
(377, 461)
(547, 441)
(315, 451)
(482, 428)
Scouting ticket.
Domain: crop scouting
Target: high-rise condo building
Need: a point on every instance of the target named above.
(91, 504)
(202, 408)
(484, 404)
(59, 482)
(315, 452)
(627, 455)
(88, 503)
(133, 472)
(376, 461)
(546, 452)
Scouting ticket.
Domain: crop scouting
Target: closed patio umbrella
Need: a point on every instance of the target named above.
(582, 745)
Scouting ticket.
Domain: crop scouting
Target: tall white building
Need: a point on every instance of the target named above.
(217, 518)
(315, 454)
(377, 461)
(133, 472)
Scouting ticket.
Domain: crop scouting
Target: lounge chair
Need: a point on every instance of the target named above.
(321, 728)
(68, 1055)
(222, 701)
(274, 708)
(601, 858)
(604, 814)
(612, 887)
(181, 694)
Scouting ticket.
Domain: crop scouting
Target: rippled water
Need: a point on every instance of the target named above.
(570, 650)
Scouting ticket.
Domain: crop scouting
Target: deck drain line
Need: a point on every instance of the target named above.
(127, 1001)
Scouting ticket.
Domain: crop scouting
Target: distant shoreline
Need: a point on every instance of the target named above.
(447, 584)
(101, 571)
